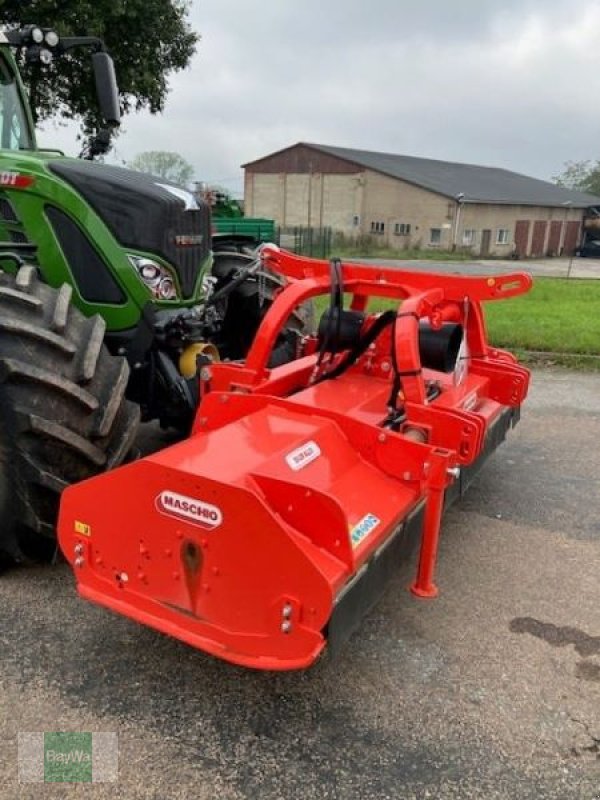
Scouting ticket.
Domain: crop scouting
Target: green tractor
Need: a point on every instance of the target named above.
(112, 297)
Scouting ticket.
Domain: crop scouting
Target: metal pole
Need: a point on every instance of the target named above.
(459, 199)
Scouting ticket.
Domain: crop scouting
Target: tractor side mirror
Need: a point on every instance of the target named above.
(106, 87)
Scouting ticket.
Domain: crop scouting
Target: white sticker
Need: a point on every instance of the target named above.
(363, 528)
(302, 456)
(462, 362)
(190, 509)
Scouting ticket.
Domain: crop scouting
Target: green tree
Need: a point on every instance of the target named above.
(581, 175)
(169, 166)
(148, 40)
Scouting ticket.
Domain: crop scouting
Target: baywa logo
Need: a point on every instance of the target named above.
(67, 757)
(190, 509)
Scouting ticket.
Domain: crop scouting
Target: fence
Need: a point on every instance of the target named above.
(312, 242)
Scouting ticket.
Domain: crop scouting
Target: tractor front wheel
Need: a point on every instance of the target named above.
(63, 413)
(248, 304)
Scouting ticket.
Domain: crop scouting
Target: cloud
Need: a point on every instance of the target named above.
(513, 84)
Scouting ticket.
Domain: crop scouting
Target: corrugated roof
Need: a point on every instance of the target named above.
(477, 184)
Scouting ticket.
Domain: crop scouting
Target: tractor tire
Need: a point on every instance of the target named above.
(63, 416)
(248, 304)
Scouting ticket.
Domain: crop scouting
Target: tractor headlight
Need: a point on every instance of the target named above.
(51, 38)
(156, 278)
(37, 35)
(45, 56)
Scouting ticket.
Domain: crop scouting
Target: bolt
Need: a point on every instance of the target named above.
(79, 549)
(287, 611)
(286, 627)
(205, 374)
(386, 366)
(382, 438)
(79, 562)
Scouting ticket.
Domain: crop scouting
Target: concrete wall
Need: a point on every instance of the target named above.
(368, 203)
(312, 200)
(393, 202)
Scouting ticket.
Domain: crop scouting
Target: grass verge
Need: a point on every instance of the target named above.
(556, 323)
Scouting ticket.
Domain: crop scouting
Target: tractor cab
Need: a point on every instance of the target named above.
(16, 128)
(42, 45)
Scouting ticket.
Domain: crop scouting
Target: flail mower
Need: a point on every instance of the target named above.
(269, 532)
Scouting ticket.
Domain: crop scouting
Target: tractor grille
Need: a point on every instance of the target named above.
(187, 258)
(7, 212)
(11, 227)
(145, 213)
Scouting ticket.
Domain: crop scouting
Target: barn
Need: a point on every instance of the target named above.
(409, 202)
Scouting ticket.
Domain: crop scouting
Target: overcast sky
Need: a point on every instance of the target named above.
(510, 83)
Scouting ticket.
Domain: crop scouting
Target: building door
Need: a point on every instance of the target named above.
(486, 239)
(538, 240)
(554, 238)
(571, 238)
(522, 238)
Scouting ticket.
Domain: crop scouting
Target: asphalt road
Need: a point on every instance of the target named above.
(546, 267)
(491, 691)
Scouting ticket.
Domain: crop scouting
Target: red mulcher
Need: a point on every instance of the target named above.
(268, 533)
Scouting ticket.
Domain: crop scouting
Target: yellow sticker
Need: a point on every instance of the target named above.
(83, 528)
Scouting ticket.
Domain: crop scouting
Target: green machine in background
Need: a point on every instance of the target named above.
(229, 221)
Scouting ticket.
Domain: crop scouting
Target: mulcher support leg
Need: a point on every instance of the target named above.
(424, 585)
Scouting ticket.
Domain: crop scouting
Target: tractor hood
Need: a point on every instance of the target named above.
(145, 213)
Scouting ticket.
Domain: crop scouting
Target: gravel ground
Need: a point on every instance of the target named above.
(491, 691)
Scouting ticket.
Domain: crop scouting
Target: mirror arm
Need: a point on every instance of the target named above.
(69, 42)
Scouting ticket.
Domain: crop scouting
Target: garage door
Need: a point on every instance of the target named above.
(538, 240)
(521, 237)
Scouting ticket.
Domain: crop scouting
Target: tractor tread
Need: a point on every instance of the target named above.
(33, 331)
(63, 412)
(61, 308)
(12, 295)
(92, 348)
(13, 370)
(26, 277)
(110, 409)
(62, 435)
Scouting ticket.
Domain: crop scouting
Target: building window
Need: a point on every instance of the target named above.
(356, 220)
(503, 236)
(402, 229)
(435, 236)
(378, 227)
(468, 237)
